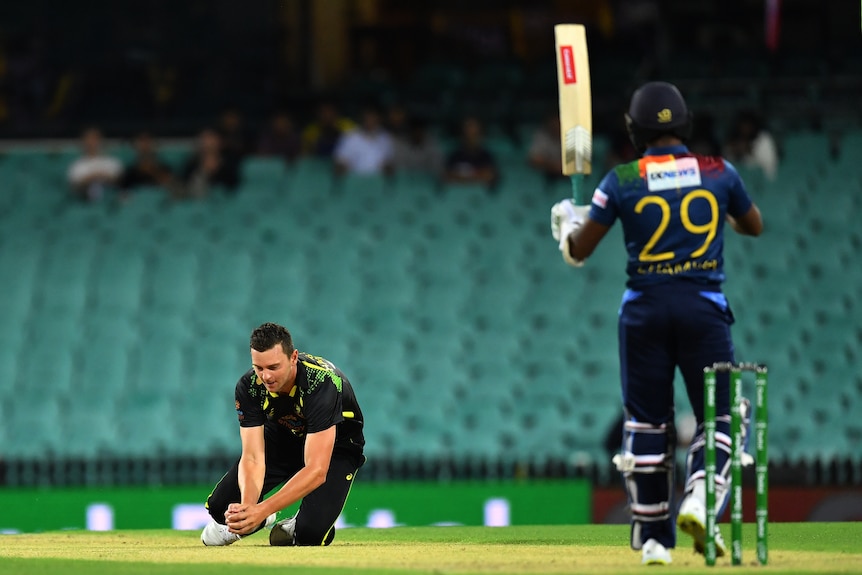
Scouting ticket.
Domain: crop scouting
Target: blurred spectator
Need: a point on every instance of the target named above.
(146, 169)
(546, 152)
(321, 136)
(751, 144)
(280, 139)
(418, 151)
(471, 162)
(367, 149)
(94, 171)
(703, 139)
(397, 121)
(209, 167)
(235, 141)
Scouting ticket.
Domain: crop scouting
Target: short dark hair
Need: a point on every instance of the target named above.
(267, 335)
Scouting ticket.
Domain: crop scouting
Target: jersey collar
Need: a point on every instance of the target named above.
(666, 150)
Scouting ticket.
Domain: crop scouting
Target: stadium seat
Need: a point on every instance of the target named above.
(172, 282)
(310, 180)
(26, 438)
(807, 148)
(145, 427)
(266, 171)
(88, 431)
(418, 291)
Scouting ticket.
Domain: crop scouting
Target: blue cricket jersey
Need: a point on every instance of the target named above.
(672, 205)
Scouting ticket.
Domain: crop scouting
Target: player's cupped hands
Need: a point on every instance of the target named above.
(243, 519)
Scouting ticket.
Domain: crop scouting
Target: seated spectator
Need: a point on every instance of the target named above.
(471, 162)
(546, 152)
(321, 136)
(367, 149)
(397, 121)
(418, 151)
(94, 172)
(750, 144)
(146, 169)
(280, 139)
(234, 138)
(209, 167)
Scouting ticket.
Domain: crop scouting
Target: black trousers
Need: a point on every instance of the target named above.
(318, 510)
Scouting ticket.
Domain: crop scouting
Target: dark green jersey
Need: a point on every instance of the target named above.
(322, 397)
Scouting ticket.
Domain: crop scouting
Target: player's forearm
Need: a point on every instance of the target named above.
(304, 482)
(577, 249)
(251, 474)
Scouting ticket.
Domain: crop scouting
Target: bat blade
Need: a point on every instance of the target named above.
(576, 110)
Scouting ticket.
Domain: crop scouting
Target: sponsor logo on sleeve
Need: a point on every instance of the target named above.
(673, 174)
(600, 198)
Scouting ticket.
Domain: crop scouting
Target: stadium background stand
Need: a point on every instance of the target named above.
(125, 326)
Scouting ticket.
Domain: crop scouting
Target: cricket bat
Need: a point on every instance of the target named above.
(576, 109)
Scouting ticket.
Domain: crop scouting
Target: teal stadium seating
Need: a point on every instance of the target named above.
(125, 325)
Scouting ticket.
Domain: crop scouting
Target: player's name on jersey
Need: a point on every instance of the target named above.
(679, 267)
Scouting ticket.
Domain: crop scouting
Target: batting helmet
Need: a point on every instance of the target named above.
(657, 109)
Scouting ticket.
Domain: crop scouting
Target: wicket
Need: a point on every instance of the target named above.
(737, 449)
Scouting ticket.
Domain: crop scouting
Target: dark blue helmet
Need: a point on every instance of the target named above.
(657, 109)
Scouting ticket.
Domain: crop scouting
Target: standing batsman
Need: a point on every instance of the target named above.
(300, 425)
(673, 206)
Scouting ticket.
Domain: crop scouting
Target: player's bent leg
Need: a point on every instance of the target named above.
(314, 523)
(647, 466)
(691, 517)
(227, 491)
(216, 533)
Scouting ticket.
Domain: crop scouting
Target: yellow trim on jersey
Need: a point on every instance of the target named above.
(306, 364)
(348, 414)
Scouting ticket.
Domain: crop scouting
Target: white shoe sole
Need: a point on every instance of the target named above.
(691, 524)
(654, 553)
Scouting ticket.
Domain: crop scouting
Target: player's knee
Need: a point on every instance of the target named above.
(216, 508)
(649, 445)
(313, 533)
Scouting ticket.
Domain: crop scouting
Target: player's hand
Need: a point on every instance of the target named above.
(244, 519)
(566, 217)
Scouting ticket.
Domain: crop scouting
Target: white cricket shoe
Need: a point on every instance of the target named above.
(217, 535)
(691, 519)
(284, 533)
(654, 553)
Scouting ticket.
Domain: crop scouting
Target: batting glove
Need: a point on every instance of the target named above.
(566, 217)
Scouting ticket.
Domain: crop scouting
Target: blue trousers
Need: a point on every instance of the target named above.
(661, 328)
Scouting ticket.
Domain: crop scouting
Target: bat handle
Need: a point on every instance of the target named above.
(579, 193)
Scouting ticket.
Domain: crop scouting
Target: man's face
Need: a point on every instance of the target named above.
(208, 141)
(275, 368)
(472, 132)
(370, 121)
(281, 124)
(92, 142)
(144, 145)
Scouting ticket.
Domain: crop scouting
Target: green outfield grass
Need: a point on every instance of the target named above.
(794, 548)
